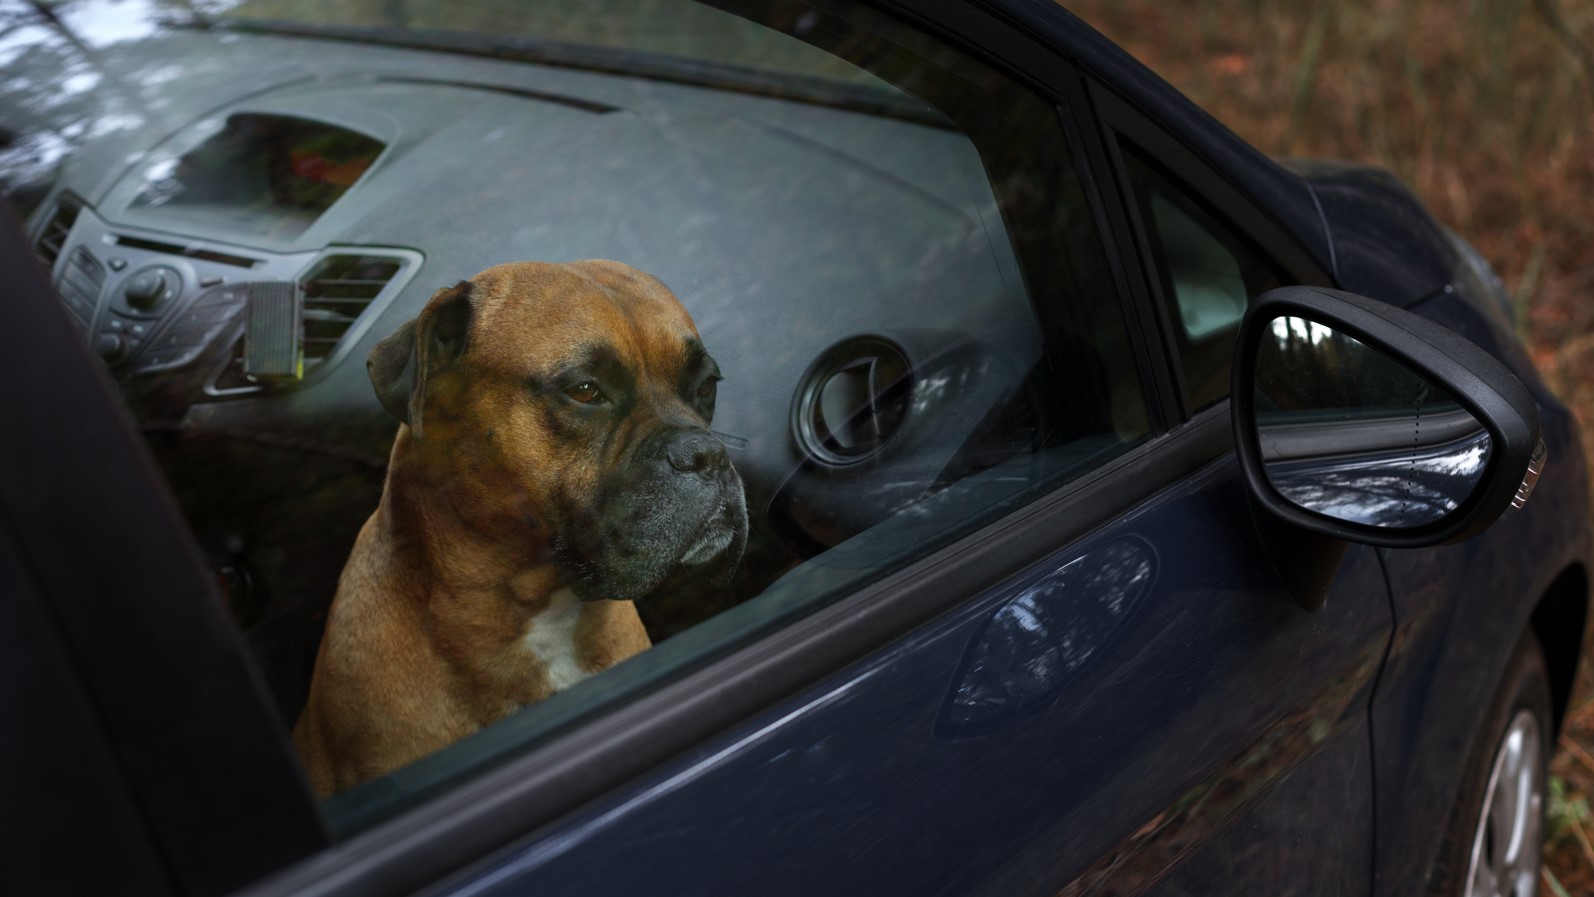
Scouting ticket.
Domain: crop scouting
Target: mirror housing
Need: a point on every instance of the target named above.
(1510, 455)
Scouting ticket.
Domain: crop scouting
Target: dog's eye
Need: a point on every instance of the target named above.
(586, 392)
(706, 389)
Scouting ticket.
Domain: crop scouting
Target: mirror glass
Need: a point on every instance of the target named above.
(1350, 433)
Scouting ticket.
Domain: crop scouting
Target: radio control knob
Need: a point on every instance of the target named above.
(112, 348)
(145, 289)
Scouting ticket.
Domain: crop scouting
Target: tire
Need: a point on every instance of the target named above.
(1494, 840)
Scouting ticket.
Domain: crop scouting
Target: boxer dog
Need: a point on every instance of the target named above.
(553, 464)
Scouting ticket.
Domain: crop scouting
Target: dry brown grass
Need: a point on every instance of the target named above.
(1476, 104)
(1486, 107)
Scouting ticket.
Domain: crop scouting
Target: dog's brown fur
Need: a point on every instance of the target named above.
(426, 638)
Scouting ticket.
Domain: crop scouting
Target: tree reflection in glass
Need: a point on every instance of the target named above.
(1350, 433)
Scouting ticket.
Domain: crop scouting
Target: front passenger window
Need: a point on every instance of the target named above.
(721, 323)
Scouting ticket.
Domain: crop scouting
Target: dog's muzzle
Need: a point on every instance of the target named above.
(678, 503)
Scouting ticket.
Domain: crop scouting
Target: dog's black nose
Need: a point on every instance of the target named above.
(694, 451)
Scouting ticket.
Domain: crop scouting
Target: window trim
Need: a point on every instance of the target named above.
(1281, 245)
(1157, 372)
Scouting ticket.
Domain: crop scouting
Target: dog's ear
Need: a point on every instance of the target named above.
(392, 368)
(399, 364)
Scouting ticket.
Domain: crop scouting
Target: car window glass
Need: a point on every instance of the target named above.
(1207, 287)
(509, 365)
(1207, 273)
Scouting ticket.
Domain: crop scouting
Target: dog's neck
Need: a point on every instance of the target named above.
(495, 609)
(449, 557)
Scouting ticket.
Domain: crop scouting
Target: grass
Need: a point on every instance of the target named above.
(1486, 108)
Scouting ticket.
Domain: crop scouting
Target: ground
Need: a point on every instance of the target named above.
(1486, 107)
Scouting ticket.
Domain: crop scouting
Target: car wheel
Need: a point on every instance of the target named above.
(1495, 838)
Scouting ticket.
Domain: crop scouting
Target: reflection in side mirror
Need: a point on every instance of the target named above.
(1363, 422)
(1347, 432)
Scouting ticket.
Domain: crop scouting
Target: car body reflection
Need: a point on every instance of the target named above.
(1391, 489)
(1032, 643)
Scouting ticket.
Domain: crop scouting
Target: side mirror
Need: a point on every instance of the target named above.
(1361, 421)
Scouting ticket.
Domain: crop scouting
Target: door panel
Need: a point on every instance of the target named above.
(1149, 697)
(1286, 844)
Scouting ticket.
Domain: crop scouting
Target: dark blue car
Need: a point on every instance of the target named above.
(1127, 512)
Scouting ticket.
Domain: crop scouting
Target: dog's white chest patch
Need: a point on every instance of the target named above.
(552, 640)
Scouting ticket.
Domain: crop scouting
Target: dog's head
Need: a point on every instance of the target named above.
(568, 405)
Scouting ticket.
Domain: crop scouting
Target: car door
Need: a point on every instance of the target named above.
(1114, 690)
(1073, 660)
(1210, 250)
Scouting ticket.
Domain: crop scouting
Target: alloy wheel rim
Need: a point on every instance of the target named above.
(1507, 843)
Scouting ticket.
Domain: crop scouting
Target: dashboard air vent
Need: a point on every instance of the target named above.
(335, 293)
(53, 237)
(853, 399)
(80, 285)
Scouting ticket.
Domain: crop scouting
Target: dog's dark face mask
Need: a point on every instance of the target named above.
(671, 500)
(570, 409)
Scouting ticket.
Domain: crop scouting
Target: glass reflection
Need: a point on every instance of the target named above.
(61, 88)
(1347, 432)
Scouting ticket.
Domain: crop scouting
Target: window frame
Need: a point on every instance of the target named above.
(488, 813)
(1204, 184)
